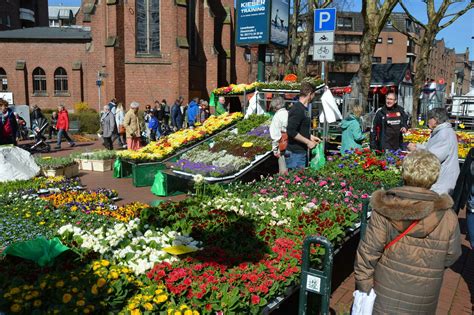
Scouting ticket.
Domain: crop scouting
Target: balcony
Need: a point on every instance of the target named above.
(27, 15)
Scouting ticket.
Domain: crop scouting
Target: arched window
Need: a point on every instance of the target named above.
(39, 81)
(3, 80)
(60, 81)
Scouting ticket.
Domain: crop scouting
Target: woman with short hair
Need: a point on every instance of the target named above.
(443, 143)
(412, 236)
(352, 135)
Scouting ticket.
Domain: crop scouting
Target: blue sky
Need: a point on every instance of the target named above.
(458, 35)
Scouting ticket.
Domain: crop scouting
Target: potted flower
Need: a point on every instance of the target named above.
(58, 166)
(99, 161)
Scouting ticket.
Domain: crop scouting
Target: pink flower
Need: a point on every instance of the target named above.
(322, 183)
(364, 196)
(263, 191)
(343, 184)
(346, 200)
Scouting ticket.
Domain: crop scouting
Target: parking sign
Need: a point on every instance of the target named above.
(324, 20)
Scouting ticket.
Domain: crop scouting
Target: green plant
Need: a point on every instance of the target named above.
(48, 163)
(99, 155)
(250, 123)
(88, 121)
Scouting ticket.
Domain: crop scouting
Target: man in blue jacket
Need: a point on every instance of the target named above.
(193, 111)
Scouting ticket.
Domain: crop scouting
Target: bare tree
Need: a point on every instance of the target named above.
(375, 14)
(437, 20)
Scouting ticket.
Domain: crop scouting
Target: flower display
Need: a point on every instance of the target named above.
(125, 244)
(165, 146)
(465, 139)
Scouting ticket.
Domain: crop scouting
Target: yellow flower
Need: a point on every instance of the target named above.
(42, 223)
(131, 306)
(158, 291)
(35, 294)
(184, 306)
(104, 262)
(14, 291)
(177, 313)
(160, 298)
(81, 303)
(67, 298)
(195, 313)
(75, 290)
(188, 312)
(114, 275)
(135, 312)
(148, 306)
(15, 308)
(95, 265)
(60, 284)
(28, 297)
(86, 311)
(74, 278)
(94, 289)
(37, 303)
(101, 282)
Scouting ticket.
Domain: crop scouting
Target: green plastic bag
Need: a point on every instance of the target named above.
(159, 185)
(39, 250)
(319, 160)
(117, 168)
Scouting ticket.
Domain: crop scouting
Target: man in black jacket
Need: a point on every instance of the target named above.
(298, 129)
(388, 126)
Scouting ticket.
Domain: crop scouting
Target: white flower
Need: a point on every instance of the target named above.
(198, 178)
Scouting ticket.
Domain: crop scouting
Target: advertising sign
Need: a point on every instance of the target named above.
(253, 22)
(7, 96)
(279, 22)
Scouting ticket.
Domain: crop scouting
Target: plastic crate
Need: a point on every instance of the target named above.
(126, 169)
(144, 174)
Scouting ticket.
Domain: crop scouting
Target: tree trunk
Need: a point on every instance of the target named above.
(306, 42)
(293, 44)
(420, 75)
(367, 47)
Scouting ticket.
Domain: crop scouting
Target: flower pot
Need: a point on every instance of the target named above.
(86, 165)
(71, 170)
(102, 165)
(79, 163)
(53, 172)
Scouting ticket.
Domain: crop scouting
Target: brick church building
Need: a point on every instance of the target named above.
(139, 50)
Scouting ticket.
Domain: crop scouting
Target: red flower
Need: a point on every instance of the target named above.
(255, 299)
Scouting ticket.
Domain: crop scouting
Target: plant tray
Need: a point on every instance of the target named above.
(86, 165)
(71, 170)
(102, 165)
(53, 172)
(144, 174)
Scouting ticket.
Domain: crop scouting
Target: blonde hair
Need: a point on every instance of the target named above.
(357, 110)
(420, 169)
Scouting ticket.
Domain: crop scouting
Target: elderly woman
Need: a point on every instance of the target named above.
(132, 127)
(109, 127)
(278, 132)
(412, 237)
(444, 144)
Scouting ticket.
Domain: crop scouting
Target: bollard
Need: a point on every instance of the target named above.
(316, 281)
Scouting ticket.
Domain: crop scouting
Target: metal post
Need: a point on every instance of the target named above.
(261, 63)
(316, 281)
(323, 64)
(363, 218)
(99, 99)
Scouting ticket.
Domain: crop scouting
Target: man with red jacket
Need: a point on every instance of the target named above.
(8, 124)
(62, 126)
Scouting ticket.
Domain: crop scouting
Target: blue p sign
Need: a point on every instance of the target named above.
(324, 20)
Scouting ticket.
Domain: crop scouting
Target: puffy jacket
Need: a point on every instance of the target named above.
(131, 124)
(443, 143)
(352, 135)
(63, 120)
(407, 276)
(107, 122)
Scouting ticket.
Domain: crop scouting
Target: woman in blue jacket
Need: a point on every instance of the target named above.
(352, 135)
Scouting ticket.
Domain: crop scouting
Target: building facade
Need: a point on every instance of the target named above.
(441, 65)
(59, 15)
(392, 46)
(135, 50)
(463, 73)
(15, 14)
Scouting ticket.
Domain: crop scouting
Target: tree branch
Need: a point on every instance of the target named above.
(411, 17)
(410, 36)
(467, 8)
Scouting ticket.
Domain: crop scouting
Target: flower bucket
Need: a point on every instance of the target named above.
(102, 165)
(86, 165)
(53, 172)
(71, 170)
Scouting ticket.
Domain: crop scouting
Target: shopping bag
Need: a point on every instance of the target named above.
(363, 302)
(39, 250)
(159, 185)
(117, 168)
(319, 160)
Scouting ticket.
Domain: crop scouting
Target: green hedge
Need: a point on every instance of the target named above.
(88, 121)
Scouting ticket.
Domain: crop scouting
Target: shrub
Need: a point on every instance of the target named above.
(83, 107)
(88, 121)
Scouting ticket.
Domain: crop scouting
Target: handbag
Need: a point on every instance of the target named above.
(283, 142)
(121, 129)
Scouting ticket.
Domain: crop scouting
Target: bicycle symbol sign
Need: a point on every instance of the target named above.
(323, 52)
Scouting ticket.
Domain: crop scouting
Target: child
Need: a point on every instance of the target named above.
(154, 125)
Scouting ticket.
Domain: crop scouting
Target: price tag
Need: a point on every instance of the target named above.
(313, 283)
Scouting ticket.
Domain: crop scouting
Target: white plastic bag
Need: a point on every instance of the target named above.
(363, 302)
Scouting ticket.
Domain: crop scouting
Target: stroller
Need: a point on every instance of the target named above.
(39, 126)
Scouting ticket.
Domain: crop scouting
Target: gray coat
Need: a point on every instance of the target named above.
(444, 144)
(107, 122)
